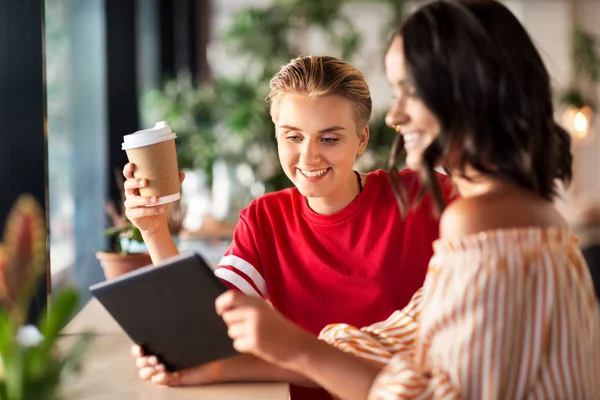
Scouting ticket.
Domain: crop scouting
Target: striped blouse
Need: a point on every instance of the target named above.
(504, 314)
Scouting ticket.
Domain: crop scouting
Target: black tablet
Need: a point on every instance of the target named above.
(169, 310)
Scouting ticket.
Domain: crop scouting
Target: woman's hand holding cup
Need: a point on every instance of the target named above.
(140, 210)
(153, 157)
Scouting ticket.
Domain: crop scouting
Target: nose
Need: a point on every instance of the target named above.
(397, 115)
(310, 153)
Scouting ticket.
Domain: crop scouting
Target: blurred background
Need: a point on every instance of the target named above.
(111, 67)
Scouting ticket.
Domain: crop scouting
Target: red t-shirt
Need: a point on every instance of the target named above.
(356, 266)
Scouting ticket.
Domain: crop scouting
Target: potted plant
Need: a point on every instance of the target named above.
(120, 261)
(127, 253)
(31, 366)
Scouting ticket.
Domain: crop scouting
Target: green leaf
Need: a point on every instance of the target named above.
(39, 358)
(7, 334)
(14, 367)
(136, 235)
(115, 230)
(58, 314)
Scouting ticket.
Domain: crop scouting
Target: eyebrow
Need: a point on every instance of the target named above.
(327, 130)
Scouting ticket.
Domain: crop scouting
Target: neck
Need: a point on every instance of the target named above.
(478, 184)
(338, 199)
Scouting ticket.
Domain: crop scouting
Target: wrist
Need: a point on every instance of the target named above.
(158, 231)
(306, 354)
(160, 244)
(237, 368)
(161, 226)
(217, 372)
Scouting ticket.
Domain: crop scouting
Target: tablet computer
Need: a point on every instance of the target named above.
(169, 310)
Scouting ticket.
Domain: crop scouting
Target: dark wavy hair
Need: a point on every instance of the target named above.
(475, 67)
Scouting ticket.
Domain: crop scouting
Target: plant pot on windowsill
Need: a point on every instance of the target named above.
(116, 264)
(121, 260)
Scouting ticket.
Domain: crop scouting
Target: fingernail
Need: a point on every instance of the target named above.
(142, 182)
(160, 367)
(154, 199)
(159, 377)
(153, 360)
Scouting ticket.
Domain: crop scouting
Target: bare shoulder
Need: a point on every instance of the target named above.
(462, 217)
(467, 216)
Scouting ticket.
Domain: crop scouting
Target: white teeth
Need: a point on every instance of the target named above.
(313, 174)
(410, 137)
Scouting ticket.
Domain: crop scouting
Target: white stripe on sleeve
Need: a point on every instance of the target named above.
(248, 269)
(237, 281)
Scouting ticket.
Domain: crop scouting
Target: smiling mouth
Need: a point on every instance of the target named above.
(411, 139)
(314, 174)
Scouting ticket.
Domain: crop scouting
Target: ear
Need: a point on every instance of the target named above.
(363, 136)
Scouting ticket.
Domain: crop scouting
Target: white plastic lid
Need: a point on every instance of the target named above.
(160, 133)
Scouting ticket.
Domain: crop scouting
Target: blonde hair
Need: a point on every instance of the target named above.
(318, 76)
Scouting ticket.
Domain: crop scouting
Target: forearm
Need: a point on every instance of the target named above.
(342, 374)
(160, 244)
(247, 368)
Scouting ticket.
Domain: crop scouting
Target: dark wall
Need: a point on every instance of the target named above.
(23, 148)
(185, 32)
(123, 116)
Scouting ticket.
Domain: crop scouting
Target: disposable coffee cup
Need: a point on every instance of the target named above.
(153, 153)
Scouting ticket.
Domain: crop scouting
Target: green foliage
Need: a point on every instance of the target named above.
(587, 62)
(121, 227)
(131, 232)
(31, 366)
(574, 98)
(228, 118)
(34, 371)
(586, 69)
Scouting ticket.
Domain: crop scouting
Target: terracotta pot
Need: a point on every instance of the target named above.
(116, 264)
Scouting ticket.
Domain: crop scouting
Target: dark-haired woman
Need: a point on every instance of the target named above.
(507, 310)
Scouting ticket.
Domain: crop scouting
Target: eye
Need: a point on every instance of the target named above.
(330, 140)
(293, 138)
(411, 92)
(404, 89)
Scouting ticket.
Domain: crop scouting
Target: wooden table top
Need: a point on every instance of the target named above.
(109, 371)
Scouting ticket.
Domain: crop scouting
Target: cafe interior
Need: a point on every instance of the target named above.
(78, 75)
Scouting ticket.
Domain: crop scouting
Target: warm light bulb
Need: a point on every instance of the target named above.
(581, 124)
(578, 121)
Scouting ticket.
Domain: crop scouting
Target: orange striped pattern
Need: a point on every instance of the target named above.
(506, 314)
